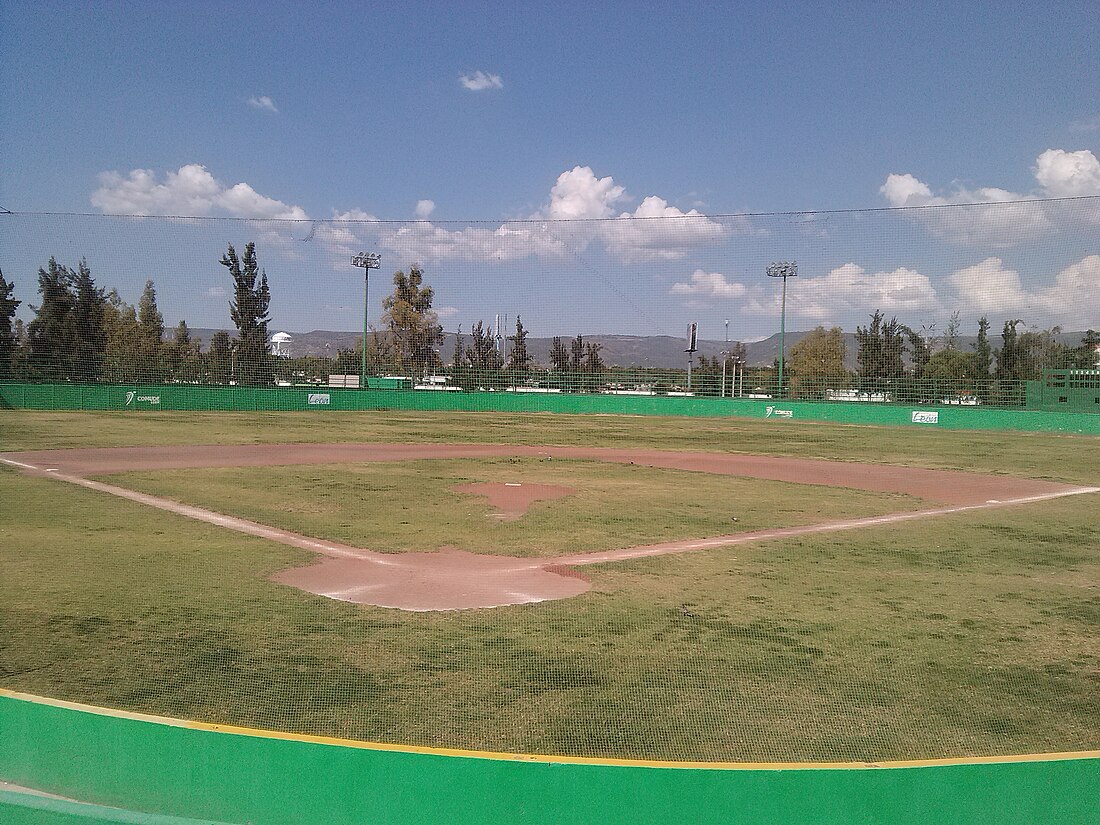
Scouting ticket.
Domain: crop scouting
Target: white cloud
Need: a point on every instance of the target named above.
(446, 312)
(1073, 299)
(344, 235)
(849, 293)
(262, 102)
(1004, 224)
(190, 191)
(570, 221)
(656, 230)
(244, 201)
(906, 190)
(987, 287)
(579, 194)
(1058, 174)
(356, 215)
(850, 287)
(215, 292)
(425, 241)
(708, 285)
(846, 291)
(479, 81)
(1068, 174)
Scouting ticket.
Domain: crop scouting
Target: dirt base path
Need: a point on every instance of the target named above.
(452, 579)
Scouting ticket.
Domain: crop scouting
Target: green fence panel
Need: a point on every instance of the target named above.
(185, 397)
(177, 769)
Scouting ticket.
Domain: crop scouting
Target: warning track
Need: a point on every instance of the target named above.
(452, 579)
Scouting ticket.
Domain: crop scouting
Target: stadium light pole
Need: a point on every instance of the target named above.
(784, 270)
(725, 360)
(367, 261)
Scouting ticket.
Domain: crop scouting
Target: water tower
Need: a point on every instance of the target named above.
(280, 344)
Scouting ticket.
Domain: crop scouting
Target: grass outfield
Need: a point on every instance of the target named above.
(409, 506)
(964, 635)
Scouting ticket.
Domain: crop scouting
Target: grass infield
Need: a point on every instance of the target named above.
(972, 634)
(409, 506)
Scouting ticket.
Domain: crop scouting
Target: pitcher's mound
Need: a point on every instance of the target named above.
(511, 499)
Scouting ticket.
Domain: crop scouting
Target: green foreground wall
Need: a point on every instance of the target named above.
(164, 769)
(182, 397)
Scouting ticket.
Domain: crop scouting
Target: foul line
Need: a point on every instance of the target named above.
(689, 545)
(542, 758)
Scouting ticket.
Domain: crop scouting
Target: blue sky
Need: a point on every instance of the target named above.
(499, 112)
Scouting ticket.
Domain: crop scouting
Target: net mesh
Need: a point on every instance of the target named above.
(681, 588)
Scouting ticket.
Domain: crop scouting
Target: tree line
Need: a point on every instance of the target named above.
(890, 350)
(81, 333)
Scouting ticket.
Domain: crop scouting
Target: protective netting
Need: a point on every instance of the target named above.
(519, 582)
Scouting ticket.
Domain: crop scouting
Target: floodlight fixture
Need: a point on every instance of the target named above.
(784, 270)
(365, 261)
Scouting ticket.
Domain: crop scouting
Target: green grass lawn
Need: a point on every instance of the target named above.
(397, 507)
(964, 635)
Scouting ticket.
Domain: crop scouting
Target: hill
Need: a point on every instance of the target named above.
(619, 350)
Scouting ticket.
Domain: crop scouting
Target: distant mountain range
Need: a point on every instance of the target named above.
(618, 350)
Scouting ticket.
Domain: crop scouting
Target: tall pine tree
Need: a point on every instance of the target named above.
(90, 341)
(519, 360)
(8, 341)
(125, 361)
(983, 352)
(1009, 355)
(219, 360)
(482, 354)
(576, 354)
(559, 355)
(881, 348)
(248, 309)
(150, 334)
(50, 333)
(592, 360)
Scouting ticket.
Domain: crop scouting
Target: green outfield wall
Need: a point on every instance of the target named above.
(124, 768)
(185, 397)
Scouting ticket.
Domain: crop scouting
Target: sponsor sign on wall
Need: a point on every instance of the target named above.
(770, 412)
(926, 417)
(320, 399)
(133, 399)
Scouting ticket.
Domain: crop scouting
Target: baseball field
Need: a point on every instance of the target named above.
(609, 586)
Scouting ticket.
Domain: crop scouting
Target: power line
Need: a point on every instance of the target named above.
(497, 222)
